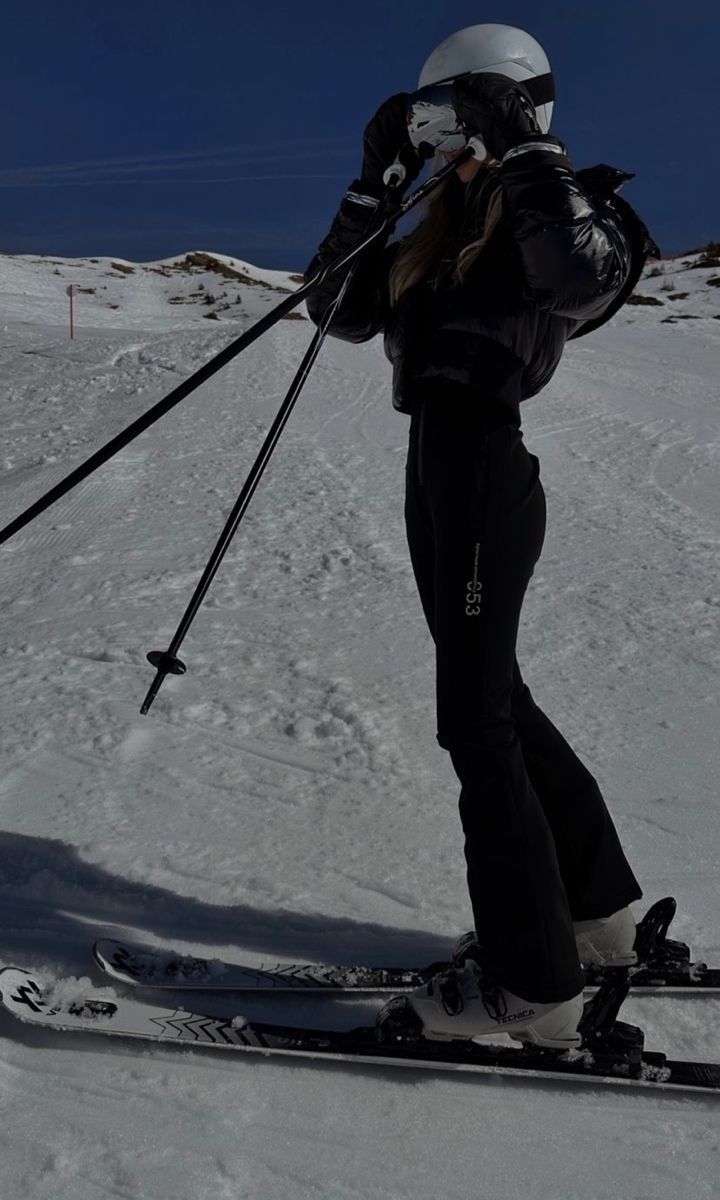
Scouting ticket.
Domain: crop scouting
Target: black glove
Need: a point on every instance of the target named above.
(496, 108)
(385, 139)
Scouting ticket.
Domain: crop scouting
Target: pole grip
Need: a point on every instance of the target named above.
(395, 175)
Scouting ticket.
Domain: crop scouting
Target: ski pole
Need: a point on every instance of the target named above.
(225, 356)
(166, 662)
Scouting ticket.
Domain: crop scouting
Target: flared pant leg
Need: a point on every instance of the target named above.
(597, 876)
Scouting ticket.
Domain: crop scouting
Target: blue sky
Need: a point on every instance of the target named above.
(146, 129)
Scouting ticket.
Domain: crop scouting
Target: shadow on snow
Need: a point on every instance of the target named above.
(53, 905)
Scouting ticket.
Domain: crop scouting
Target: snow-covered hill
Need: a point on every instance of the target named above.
(112, 291)
(287, 799)
(683, 288)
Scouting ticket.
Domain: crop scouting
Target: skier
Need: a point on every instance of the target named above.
(516, 254)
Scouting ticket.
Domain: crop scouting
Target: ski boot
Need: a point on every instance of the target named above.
(604, 942)
(463, 1002)
(616, 941)
(607, 941)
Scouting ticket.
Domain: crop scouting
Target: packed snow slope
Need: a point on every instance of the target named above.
(286, 799)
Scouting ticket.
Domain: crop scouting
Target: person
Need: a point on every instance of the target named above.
(516, 254)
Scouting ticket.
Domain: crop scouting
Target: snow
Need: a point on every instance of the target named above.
(286, 799)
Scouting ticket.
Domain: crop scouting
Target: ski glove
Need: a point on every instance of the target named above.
(496, 108)
(385, 139)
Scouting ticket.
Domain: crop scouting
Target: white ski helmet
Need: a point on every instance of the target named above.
(502, 49)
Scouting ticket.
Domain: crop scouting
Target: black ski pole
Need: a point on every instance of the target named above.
(166, 662)
(241, 343)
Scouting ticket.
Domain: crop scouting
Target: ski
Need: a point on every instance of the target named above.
(612, 1052)
(664, 967)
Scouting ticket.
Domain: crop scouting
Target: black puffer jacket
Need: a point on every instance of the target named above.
(564, 257)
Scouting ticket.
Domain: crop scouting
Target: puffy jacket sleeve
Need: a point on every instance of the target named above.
(363, 310)
(574, 249)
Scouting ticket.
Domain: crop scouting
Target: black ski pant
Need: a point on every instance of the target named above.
(540, 845)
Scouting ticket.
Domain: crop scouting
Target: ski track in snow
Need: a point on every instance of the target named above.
(287, 797)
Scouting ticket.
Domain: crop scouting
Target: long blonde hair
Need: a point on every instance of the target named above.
(422, 249)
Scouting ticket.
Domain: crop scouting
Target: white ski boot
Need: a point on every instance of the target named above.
(607, 941)
(461, 1003)
(602, 942)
